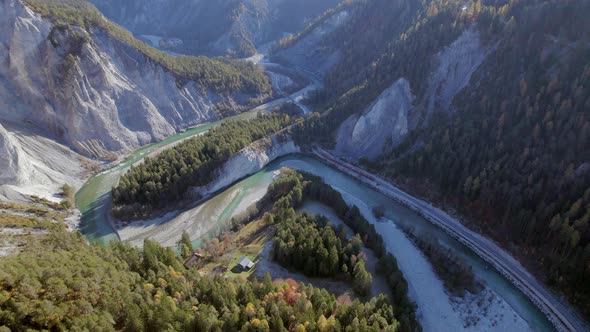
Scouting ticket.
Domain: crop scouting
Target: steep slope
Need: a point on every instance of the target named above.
(14, 166)
(218, 27)
(434, 46)
(248, 161)
(98, 94)
(359, 32)
(513, 156)
(383, 123)
(499, 128)
(308, 48)
(394, 114)
(34, 165)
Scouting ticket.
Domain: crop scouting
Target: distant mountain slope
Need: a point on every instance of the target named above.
(219, 74)
(87, 83)
(218, 27)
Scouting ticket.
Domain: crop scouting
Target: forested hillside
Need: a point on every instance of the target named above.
(219, 74)
(223, 27)
(165, 179)
(515, 155)
(402, 41)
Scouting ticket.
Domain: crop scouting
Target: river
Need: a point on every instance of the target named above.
(209, 217)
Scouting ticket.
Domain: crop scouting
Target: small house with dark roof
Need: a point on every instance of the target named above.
(192, 260)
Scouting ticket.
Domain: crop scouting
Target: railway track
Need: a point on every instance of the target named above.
(560, 315)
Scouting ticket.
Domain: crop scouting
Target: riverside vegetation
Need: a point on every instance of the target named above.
(288, 193)
(309, 244)
(164, 179)
(456, 275)
(61, 283)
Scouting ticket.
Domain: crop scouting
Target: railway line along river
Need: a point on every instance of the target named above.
(435, 306)
(507, 308)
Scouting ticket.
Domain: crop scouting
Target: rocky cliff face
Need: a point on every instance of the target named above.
(34, 165)
(395, 113)
(311, 52)
(249, 160)
(455, 65)
(13, 164)
(89, 90)
(383, 123)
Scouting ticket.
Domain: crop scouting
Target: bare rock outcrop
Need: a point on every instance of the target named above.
(14, 165)
(395, 112)
(248, 161)
(34, 165)
(455, 65)
(384, 122)
(310, 52)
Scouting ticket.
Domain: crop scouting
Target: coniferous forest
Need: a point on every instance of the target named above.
(62, 283)
(288, 193)
(513, 152)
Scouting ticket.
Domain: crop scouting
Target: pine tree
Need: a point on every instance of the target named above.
(362, 280)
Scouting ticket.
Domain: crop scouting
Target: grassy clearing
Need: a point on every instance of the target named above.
(223, 253)
(36, 211)
(22, 225)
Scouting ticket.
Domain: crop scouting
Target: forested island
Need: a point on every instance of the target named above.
(165, 179)
(288, 193)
